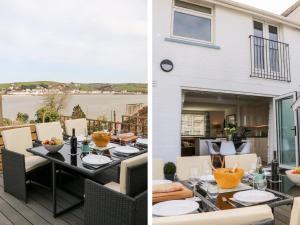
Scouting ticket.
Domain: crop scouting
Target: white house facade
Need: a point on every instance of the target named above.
(227, 52)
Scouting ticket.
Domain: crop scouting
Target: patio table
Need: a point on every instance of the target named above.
(74, 163)
(285, 191)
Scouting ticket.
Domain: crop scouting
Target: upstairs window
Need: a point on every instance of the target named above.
(191, 21)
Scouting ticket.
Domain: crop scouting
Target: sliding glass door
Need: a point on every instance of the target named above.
(286, 130)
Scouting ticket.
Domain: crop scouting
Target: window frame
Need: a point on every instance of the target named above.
(197, 14)
(266, 35)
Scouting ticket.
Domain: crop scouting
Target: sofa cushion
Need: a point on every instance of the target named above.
(18, 140)
(113, 186)
(243, 161)
(46, 131)
(80, 126)
(131, 162)
(33, 162)
(240, 216)
(157, 169)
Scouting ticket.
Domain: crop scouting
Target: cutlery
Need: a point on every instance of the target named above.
(224, 199)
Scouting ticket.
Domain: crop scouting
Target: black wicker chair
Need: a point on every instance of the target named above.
(19, 167)
(104, 206)
(15, 177)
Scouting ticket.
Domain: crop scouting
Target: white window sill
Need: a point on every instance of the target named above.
(194, 43)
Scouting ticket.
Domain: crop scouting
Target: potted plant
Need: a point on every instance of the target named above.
(229, 132)
(169, 170)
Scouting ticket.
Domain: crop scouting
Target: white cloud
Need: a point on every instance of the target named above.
(110, 34)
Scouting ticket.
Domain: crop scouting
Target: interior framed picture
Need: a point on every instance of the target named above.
(231, 120)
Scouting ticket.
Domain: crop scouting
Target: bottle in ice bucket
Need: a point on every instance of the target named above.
(73, 142)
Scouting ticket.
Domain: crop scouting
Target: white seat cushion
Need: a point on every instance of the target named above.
(157, 169)
(134, 161)
(46, 131)
(241, 216)
(184, 165)
(113, 185)
(80, 126)
(295, 215)
(33, 162)
(242, 161)
(18, 140)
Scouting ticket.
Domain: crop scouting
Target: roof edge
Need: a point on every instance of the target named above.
(291, 9)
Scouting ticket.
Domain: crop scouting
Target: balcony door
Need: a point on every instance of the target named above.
(286, 130)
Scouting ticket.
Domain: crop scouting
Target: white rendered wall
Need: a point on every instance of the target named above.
(195, 67)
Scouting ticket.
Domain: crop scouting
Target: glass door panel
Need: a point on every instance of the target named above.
(286, 121)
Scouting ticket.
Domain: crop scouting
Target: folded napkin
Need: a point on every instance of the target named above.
(168, 192)
(125, 138)
(165, 188)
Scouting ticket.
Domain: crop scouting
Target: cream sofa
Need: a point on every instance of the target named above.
(241, 216)
(157, 169)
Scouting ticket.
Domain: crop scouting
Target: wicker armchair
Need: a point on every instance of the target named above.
(105, 205)
(20, 166)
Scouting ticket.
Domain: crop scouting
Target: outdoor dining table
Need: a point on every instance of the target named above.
(284, 191)
(64, 159)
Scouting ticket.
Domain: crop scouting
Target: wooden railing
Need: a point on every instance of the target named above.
(135, 124)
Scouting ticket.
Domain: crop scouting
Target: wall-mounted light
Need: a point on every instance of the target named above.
(166, 65)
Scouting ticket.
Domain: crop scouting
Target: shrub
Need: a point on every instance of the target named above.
(46, 114)
(169, 168)
(77, 112)
(22, 117)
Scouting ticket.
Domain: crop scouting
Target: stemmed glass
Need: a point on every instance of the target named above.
(206, 171)
(194, 178)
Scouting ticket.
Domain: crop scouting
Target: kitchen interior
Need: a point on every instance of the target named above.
(206, 114)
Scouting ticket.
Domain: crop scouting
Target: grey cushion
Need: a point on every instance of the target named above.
(264, 222)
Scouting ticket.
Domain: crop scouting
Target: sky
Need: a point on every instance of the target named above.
(275, 6)
(73, 40)
(80, 40)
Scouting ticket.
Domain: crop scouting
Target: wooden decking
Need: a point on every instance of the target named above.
(38, 209)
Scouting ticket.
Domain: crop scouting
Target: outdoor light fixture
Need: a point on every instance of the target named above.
(166, 65)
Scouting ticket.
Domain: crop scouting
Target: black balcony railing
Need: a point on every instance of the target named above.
(269, 59)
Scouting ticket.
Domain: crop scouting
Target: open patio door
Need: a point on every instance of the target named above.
(286, 122)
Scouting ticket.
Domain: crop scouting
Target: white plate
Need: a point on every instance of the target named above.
(159, 182)
(174, 208)
(108, 146)
(207, 178)
(142, 141)
(96, 159)
(126, 150)
(253, 196)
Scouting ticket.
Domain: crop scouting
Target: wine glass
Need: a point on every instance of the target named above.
(212, 190)
(261, 184)
(194, 178)
(206, 171)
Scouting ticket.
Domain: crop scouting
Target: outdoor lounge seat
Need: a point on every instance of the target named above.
(184, 165)
(80, 126)
(46, 131)
(242, 161)
(295, 215)
(158, 169)
(134, 161)
(18, 164)
(240, 216)
(116, 204)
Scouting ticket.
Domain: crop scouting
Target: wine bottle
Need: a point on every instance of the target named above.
(73, 142)
(275, 168)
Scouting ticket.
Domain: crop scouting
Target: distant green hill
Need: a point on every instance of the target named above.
(129, 87)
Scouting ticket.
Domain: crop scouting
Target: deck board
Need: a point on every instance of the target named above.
(38, 210)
